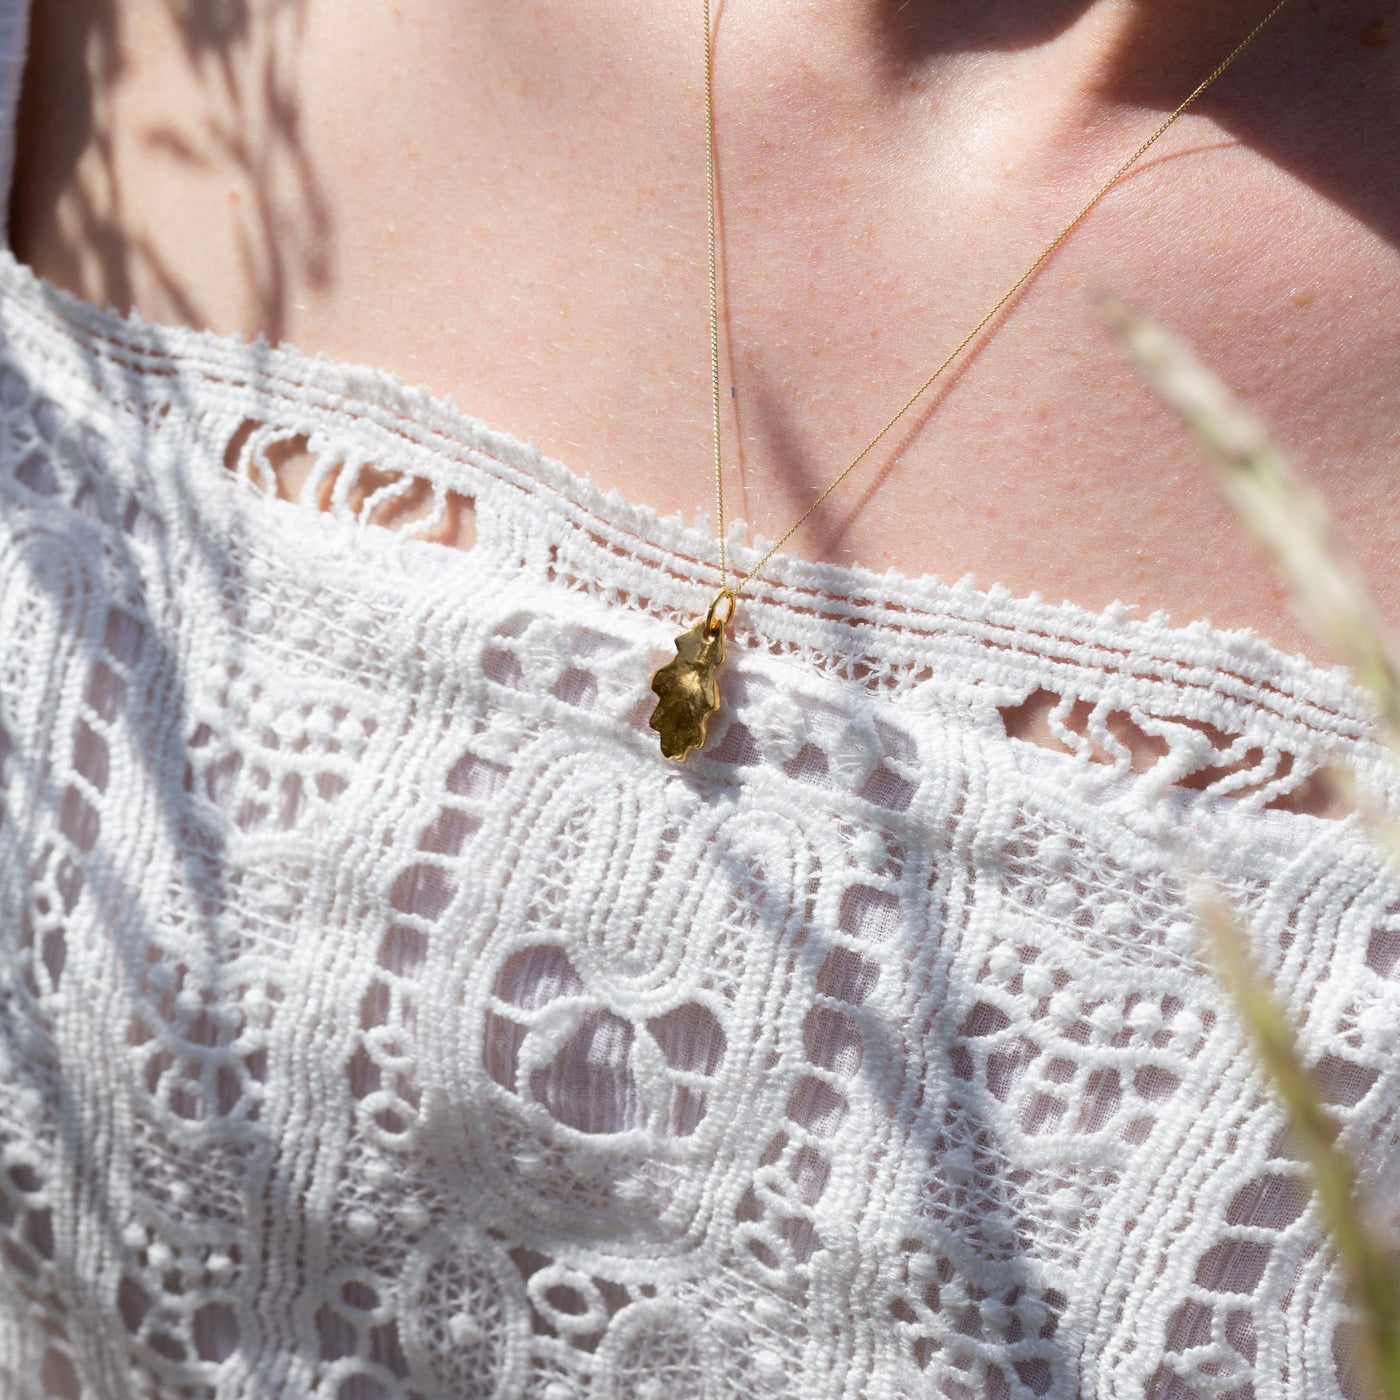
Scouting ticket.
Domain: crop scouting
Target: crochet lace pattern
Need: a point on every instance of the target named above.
(382, 1019)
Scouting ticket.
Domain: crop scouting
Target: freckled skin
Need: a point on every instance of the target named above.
(521, 226)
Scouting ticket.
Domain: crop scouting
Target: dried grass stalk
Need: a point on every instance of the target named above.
(1291, 523)
(1370, 1271)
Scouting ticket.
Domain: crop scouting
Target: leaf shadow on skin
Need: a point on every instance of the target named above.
(69, 208)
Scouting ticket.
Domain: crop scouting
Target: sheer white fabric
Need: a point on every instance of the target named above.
(380, 1016)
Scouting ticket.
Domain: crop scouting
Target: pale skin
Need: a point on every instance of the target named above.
(503, 200)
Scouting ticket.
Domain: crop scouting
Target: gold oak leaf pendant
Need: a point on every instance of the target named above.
(687, 689)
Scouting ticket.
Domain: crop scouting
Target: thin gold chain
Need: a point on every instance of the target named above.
(1047, 253)
(714, 284)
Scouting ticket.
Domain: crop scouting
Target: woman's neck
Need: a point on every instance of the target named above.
(503, 200)
(1035, 83)
(1117, 38)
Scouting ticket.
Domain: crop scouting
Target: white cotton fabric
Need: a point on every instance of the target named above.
(381, 1018)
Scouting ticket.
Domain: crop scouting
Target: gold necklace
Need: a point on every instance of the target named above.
(687, 688)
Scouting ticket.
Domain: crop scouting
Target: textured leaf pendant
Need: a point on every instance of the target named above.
(687, 689)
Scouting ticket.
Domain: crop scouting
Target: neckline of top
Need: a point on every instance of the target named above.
(103, 351)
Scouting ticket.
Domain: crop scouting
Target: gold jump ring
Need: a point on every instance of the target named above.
(713, 626)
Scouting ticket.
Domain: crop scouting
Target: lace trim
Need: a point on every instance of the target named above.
(1221, 712)
(381, 1018)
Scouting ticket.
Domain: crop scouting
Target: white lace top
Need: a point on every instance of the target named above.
(381, 1018)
